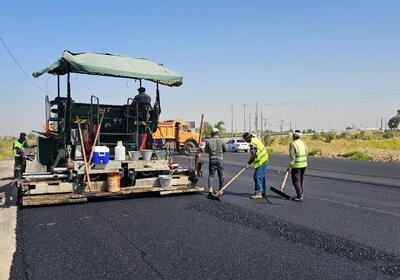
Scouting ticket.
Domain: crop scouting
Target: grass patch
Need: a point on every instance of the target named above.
(356, 155)
(315, 152)
(6, 144)
(270, 151)
(388, 135)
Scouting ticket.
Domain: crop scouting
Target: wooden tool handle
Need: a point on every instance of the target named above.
(95, 138)
(284, 181)
(94, 144)
(197, 156)
(230, 181)
(84, 154)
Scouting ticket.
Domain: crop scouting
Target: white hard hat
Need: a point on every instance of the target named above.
(297, 133)
(214, 130)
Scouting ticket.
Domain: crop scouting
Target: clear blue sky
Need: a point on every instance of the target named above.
(229, 52)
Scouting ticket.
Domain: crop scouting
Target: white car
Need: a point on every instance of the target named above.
(237, 145)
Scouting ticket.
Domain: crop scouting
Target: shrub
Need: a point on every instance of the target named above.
(315, 152)
(316, 136)
(268, 139)
(356, 155)
(356, 136)
(343, 135)
(361, 136)
(328, 136)
(388, 135)
(284, 140)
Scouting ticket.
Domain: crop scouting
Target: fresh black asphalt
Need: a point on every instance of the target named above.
(343, 230)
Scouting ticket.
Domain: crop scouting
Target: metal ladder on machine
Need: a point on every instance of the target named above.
(93, 97)
(136, 118)
(97, 115)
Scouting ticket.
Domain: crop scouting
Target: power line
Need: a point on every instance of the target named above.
(349, 99)
(20, 67)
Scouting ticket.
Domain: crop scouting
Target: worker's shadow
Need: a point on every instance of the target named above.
(8, 195)
(275, 196)
(248, 195)
(6, 179)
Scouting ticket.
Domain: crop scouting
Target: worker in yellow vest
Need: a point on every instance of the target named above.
(259, 159)
(298, 162)
(19, 155)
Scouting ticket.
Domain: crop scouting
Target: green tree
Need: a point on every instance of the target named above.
(394, 122)
(220, 126)
(207, 129)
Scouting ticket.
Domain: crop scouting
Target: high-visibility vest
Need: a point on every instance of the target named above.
(301, 154)
(17, 145)
(261, 155)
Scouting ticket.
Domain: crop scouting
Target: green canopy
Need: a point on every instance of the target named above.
(106, 64)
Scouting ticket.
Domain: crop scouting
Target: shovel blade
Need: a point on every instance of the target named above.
(213, 197)
(281, 193)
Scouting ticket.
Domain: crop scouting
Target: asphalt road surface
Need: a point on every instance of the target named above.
(348, 227)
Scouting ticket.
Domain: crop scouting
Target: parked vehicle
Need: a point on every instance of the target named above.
(237, 145)
(177, 135)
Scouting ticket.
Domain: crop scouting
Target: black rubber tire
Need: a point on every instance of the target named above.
(190, 147)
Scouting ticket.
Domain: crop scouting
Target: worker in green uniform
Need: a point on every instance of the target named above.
(298, 162)
(19, 155)
(259, 159)
(215, 149)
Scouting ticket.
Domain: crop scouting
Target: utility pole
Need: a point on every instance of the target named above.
(244, 118)
(232, 119)
(385, 124)
(256, 117)
(281, 127)
(290, 126)
(249, 122)
(261, 124)
(381, 123)
(265, 124)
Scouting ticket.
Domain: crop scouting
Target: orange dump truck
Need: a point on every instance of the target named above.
(178, 135)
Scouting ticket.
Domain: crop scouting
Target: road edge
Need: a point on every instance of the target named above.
(370, 180)
(8, 225)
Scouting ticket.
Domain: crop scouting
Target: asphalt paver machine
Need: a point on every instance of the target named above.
(73, 129)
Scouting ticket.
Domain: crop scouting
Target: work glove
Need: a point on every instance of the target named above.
(247, 166)
(289, 169)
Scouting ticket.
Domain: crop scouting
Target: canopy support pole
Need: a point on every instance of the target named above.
(68, 112)
(58, 85)
(158, 99)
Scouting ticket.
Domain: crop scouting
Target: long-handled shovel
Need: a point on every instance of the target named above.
(94, 144)
(221, 191)
(280, 191)
(78, 121)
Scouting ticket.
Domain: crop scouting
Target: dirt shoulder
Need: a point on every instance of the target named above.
(8, 217)
(336, 149)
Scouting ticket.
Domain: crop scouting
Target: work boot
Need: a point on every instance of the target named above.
(298, 199)
(257, 196)
(264, 194)
(210, 194)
